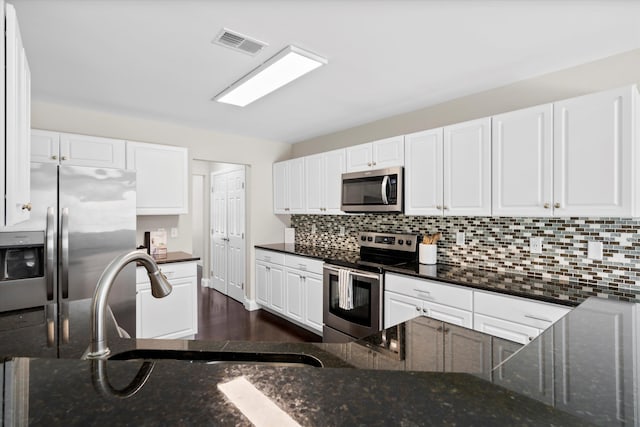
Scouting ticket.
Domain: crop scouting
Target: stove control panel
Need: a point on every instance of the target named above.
(398, 242)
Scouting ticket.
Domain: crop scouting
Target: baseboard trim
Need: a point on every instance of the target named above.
(251, 305)
(205, 283)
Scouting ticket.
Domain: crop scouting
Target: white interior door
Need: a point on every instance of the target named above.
(235, 235)
(219, 232)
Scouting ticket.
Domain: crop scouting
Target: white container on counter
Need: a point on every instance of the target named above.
(428, 254)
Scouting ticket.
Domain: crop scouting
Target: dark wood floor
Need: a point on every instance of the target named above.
(221, 318)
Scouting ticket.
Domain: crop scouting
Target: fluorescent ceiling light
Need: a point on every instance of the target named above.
(289, 64)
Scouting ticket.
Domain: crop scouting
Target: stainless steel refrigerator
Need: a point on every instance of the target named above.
(83, 217)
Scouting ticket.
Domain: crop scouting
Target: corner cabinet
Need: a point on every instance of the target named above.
(162, 178)
(16, 122)
(174, 316)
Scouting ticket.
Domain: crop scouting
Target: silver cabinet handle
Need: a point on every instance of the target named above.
(424, 310)
(63, 157)
(54, 157)
(64, 247)
(302, 266)
(49, 250)
(374, 163)
(417, 308)
(547, 205)
(557, 205)
(369, 164)
(542, 319)
(27, 207)
(439, 207)
(445, 208)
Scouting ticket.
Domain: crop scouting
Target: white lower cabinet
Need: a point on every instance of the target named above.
(174, 316)
(290, 286)
(512, 318)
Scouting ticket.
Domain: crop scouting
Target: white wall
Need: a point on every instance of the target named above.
(263, 226)
(607, 73)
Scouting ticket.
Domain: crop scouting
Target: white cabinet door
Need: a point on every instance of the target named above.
(17, 150)
(277, 284)
(262, 284)
(314, 167)
(593, 154)
(173, 316)
(467, 168)
(359, 157)
(522, 149)
(448, 314)
(162, 178)
(313, 302)
(83, 150)
(296, 186)
(400, 308)
(423, 173)
(280, 188)
(388, 152)
(294, 295)
(334, 167)
(45, 146)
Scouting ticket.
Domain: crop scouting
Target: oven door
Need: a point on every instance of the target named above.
(372, 191)
(365, 318)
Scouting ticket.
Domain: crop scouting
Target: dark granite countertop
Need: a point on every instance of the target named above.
(176, 257)
(585, 368)
(568, 293)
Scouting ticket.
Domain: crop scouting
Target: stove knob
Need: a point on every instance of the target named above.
(400, 241)
(408, 242)
(369, 238)
(363, 238)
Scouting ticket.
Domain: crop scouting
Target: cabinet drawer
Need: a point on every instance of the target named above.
(527, 312)
(173, 270)
(303, 263)
(270, 256)
(427, 290)
(504, 329)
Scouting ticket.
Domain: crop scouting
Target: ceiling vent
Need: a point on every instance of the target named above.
(239, 42)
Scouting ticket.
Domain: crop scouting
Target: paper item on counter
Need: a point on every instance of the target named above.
(289, 235)
(159, 243)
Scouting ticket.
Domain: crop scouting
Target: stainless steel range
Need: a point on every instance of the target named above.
(354, 285)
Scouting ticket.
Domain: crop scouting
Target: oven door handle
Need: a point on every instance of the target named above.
(383, 188)
(353, 272)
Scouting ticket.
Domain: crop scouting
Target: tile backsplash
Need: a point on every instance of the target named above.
(502, 244)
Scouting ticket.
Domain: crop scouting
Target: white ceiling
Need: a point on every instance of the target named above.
(155, 58)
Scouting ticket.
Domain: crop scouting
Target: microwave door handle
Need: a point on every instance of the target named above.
(383, 188)
(49, 252)
(64, 246)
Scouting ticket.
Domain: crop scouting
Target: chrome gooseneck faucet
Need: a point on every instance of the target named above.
(160, 288)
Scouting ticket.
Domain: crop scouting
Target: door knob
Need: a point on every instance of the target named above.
(547, 205)
(557, 205)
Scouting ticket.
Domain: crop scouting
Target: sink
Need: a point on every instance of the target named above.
(222, 357)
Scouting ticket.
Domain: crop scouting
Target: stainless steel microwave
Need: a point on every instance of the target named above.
(373, 191)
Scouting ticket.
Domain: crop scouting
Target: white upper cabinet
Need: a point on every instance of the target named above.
(162, 173)
(423, 173)
(467, 168)
(380, 154)
(595, 149)
(93, 151)
(45, 146)
(289, 187)
(522, 149)
(16, 122)
(323, 181)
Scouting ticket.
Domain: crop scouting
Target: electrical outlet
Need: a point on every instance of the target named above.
(313, 229)
(460, 239)
(594, 250)
(535, 245)
(342, 230)
(174, 232)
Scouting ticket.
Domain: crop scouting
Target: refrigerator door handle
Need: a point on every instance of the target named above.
(64, 255)
(49, 251)
(50, 311)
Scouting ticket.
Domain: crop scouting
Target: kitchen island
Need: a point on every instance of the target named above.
(79, 392)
